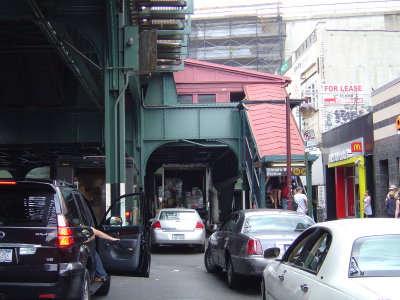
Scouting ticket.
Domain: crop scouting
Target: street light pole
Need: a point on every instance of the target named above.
(288, 156)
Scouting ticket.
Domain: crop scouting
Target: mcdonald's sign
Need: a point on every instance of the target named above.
(356, 147)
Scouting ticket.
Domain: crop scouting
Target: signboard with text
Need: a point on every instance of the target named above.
(343, 103)
(281, 171)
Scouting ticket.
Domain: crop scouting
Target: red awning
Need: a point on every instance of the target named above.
(268, 121)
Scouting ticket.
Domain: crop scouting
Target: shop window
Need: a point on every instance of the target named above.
(237, 96)
(208, 98)
(185, 99)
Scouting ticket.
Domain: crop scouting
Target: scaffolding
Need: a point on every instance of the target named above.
(251, 42)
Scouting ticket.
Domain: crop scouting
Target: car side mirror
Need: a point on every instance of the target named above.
(272, 252)
(116, 221)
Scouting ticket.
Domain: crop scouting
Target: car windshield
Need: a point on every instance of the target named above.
(257, 223)
(178, 215)
(375, 256)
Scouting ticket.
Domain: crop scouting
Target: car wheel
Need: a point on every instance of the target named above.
(233, 278)
(264, 297)
(85, 288)
(201, 248)
(153, 247)
(145, 270)
(211, 267)
(105, 288)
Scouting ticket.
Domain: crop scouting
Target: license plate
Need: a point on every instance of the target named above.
(178, 236)
(5, 255)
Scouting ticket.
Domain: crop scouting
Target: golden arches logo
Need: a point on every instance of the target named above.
(356, 147)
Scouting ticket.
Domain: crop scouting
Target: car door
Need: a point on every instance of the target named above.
(296, 277)
(127, 220)
(277, 283)
(223, 236)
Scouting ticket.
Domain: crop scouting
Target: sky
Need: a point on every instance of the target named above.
(293, 7)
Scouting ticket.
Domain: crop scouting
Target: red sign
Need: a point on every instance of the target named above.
(356, 147)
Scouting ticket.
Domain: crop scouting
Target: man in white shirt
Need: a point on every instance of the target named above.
(301, 200)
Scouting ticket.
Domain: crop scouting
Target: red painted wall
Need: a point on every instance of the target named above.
(340, 193)
(350, 191)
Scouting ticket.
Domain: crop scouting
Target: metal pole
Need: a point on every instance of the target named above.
(288, 156)
(309, 187)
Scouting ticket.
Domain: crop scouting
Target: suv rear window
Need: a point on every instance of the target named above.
(27, 205)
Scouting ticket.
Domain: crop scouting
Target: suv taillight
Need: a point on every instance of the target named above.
(8, 182)
(156, 225)
(64, 232)
(253, 247)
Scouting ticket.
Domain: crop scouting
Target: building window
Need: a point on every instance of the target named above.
(209, 98)
(237, 96)
(185, 99)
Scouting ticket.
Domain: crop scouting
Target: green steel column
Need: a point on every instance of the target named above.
(114, 102)
(262, 185)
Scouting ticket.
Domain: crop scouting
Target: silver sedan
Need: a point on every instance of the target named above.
(178, 226)
(239, 243)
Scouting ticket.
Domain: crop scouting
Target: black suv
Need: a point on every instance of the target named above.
(47, 242)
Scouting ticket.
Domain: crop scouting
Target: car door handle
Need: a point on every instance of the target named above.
(281, 277)
(304, 288)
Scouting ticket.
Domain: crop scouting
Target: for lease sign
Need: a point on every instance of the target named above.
(343, 93)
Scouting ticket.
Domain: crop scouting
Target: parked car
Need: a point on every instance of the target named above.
(178, 226)
(47, 242)
(343, 259)
(238, 244)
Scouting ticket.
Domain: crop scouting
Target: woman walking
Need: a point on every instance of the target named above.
(367, 204)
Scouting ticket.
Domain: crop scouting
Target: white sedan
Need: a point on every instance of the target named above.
(338, 260)
(178, 226)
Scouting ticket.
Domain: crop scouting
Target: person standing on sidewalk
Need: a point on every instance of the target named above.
(284, 195)
(367, 204)
(390, 205)
(301, 200)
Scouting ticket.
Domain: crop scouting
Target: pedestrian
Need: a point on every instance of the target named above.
(390, 205)
(273, 183)
(100, 273)
(367, 204)
(391, 188)
(284, 195)
(397, 211)
(301, 200)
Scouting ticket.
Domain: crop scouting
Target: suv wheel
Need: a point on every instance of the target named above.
(85, 289)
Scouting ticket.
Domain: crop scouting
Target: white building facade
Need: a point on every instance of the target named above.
(336, 62)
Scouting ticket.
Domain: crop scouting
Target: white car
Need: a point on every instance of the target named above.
(338, 260)
(178, 226)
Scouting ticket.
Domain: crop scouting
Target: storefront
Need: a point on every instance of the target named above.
(350, 179)
(348, 168)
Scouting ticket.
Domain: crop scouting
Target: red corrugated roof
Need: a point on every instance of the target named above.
(234, 71)
(265, 91)
(268, 121)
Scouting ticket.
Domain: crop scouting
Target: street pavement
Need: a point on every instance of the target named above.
(179, 274)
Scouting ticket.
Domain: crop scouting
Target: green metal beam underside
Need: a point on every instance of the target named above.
(150, 146)
(47, 127)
